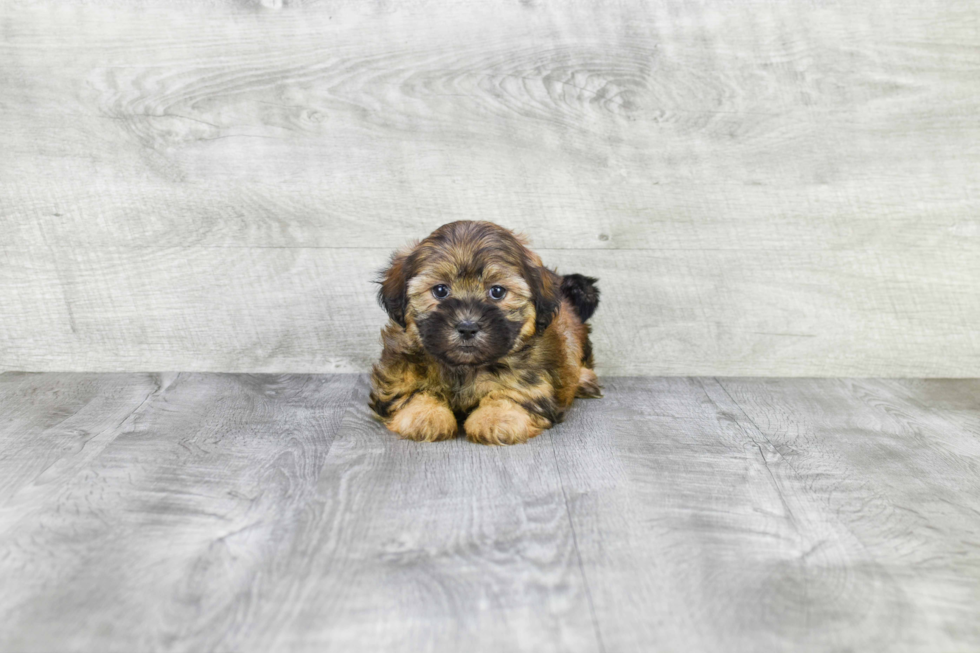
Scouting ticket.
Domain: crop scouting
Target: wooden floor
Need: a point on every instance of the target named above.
(198, 512)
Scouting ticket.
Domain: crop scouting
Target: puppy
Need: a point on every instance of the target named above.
(481, 335)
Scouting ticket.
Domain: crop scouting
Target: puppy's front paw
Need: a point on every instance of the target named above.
(500, 422)
(424, 419)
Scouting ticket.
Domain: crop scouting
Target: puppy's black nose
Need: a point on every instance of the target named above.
(467, 329)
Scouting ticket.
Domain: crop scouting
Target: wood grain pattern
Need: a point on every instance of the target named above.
(71, 419)
(796, 185)
(205, 485)
(438, 548)
(230, 517)
(297, 309)
(795, 515)
(866, 448)
(218, 512)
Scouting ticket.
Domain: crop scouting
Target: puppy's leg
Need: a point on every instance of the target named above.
(499, 420)
(588, 384)
(424, 418)
(398, 402)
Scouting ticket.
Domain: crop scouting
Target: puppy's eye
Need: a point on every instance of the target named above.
(497, 292)
(441, 291)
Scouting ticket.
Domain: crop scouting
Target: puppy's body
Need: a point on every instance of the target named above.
(508, 366)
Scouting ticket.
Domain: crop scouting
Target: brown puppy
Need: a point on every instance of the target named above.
(480, 331)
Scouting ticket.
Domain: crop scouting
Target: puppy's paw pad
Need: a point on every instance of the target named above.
(424, 419)
(500, 423)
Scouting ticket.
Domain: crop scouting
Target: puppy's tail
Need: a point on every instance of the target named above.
(582, 293)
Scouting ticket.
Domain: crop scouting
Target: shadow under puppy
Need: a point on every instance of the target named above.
(482, 334)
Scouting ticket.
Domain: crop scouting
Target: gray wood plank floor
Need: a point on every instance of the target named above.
(195, 512)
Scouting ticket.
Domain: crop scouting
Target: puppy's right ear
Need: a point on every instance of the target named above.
(393, 294)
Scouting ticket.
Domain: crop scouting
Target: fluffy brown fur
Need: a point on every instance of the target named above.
(456, 355)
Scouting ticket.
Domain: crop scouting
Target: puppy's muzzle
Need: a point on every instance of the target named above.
(467, 332)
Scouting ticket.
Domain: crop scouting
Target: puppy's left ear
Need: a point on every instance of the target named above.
(546, 292)
(393, 294)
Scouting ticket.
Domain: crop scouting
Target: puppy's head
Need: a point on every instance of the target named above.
(470, 292)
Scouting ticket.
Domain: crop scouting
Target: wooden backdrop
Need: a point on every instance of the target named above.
(764, 188)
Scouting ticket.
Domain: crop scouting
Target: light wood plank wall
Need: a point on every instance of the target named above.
(764, 188)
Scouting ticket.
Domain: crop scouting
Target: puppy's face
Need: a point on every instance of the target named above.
(470, 293)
